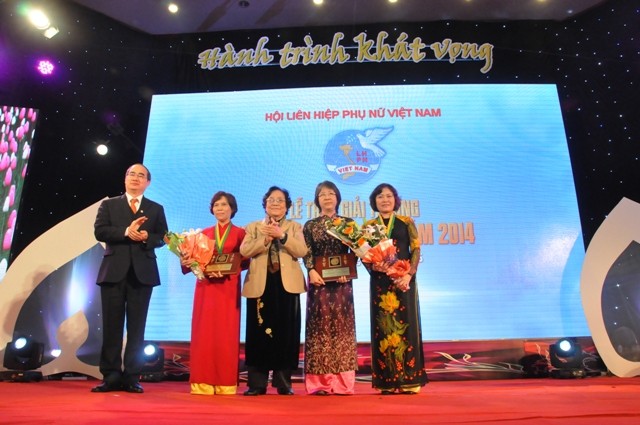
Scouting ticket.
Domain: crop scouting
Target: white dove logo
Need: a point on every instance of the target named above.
(353, 156)
(369, 139)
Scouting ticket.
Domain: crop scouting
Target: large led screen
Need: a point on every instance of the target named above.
(17, 129)
(483, 170)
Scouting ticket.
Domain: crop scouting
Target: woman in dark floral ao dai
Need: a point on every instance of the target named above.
(397, 359)
(330, 340)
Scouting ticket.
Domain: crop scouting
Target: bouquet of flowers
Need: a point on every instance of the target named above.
(192, 245)
(371, 245)
(349, 234)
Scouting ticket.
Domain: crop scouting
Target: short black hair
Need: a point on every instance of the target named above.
(378, 190)
(230, 199)
(328, 185)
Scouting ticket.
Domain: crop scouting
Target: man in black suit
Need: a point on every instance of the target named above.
(132, 227)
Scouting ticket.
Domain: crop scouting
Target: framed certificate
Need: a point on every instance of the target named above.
(224, 263)
(331, 267)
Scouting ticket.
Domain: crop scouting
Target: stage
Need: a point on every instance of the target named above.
(593, 400)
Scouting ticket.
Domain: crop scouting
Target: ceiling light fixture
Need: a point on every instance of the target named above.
(173, 8)
(244, 4)
(51, 32)
(41, 21)
(38, 19)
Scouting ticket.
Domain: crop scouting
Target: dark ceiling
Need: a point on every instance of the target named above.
(152, 16)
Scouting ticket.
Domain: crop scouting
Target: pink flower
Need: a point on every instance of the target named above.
(7, 177)
(11, 222)
(4, 162)
(12, 197)
(8, 237)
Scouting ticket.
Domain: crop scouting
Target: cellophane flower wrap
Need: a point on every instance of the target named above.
(347, 232)
(194, 246)
(371, 245)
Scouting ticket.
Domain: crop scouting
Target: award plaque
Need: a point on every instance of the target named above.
(224, 263)
(331, 267)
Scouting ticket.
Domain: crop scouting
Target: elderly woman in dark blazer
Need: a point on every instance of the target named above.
(272, 287)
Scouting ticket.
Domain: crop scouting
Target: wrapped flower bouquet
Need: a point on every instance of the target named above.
(193, 246)
(371, 245)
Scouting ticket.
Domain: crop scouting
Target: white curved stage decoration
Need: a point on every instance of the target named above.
(610, 289)
(52, 250)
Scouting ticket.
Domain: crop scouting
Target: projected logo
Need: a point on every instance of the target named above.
(353, 156)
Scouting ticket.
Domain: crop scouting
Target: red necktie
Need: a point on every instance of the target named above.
(133, 202)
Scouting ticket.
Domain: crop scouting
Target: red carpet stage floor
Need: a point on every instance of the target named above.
(594, 400)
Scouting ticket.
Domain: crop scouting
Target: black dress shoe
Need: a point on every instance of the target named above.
(387, 392)
(320, 392)
(134, 388)
(256, 391)
(285, 391)
(105, 388)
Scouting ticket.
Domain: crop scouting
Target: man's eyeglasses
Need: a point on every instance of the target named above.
(139, 175)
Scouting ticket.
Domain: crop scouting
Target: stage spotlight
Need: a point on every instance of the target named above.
(21, 357)
(102, 149)
(153, 368)
(38, 19)
(566, 359)
(45, 67)
(51, 32)
(41, 21)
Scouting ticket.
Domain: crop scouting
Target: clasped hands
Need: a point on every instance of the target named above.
(135, 234)
(271, 230)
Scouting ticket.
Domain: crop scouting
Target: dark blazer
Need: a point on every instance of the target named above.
(113, 218)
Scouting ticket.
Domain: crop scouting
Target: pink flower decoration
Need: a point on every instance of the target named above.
(23, 111)
(4, 162)
(8, 237)
(7, 177)
(12, 198)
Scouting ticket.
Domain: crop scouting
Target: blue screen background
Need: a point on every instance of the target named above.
(491, 160)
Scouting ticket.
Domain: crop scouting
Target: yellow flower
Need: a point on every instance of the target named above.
(384, 344)
(389, 302)
(394, 339)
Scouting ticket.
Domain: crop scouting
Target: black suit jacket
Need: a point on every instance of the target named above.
(114, 216)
